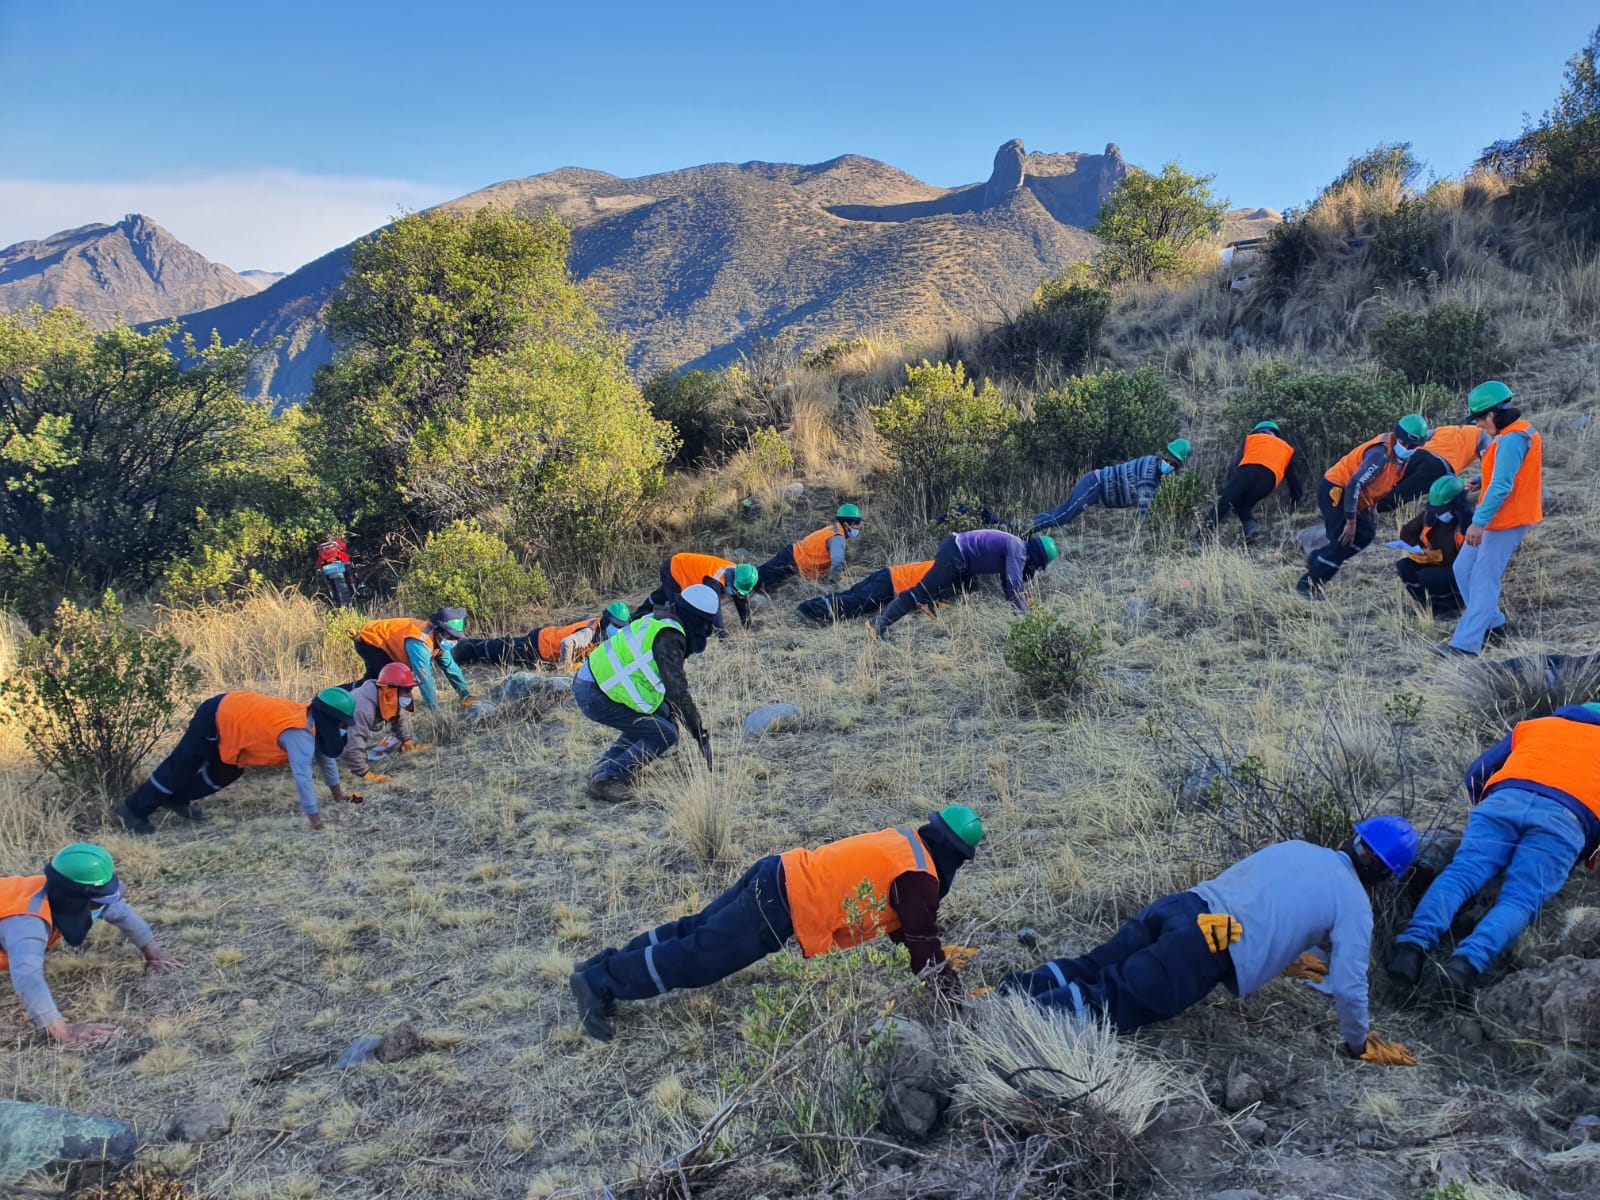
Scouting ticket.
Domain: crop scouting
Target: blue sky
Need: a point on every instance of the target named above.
(267, 134)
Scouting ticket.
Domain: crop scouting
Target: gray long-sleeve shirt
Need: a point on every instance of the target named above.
(24, 939)
(301, 747)
(1290, 898)
(366, 723)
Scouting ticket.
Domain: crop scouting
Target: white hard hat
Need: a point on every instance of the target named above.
(702, 599)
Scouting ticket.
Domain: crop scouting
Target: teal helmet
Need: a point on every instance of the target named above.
(1178, 449)
(745, 579)
(1411, 430)
(963, 822)
(619, 612)
(849, 512)
(85, 863)
(1486, 396)
(1445, 489)
(1266, 427)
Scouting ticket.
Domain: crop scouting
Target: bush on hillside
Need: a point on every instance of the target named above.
(1384, 162)
(466, 566)
(1060, 329)
(1407, 244)
(1150, 222)
(1093, 420)
(1053, 660)
(1560, 176)
(944, 434)
(703, 407)
(26, 573)
(1447, 344)
(93, 694)
(1175, 508)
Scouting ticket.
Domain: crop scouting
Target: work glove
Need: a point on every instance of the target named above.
(1388, 1054)
(468, 701)
(1308, 967)
(374, 777)
(1220, 930)
(355, 797)
(960, 957)
(705, 749)
(415, 747)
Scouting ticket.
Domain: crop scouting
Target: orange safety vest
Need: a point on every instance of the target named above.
(250, 724)
(24, 896)
(392, 634)
(906, 576)
(1267, 450)
(820, 882)
(811, 552)
(1430, 554)
(1456, 444)
(1558, 753)
(551, 637)
(690, 569)
(1525, 504)
(1343, 471)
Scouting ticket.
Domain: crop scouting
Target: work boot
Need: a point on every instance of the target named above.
(1251, 528)
(611, 791)
(132, 823)
(594, 1010)
(1459, 978)
(1309, 587)
(1405, 965)
(191, 812)
(1500, 633)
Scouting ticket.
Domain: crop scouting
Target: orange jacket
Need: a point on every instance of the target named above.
(1555, 753)
(1456, 444)
(1525, 504)
(250, 724)
(811, 555)
(24, 896)
(1267, 450)
(821, 882)
(551, 637)
(1379, 486)
(391, 635)
(690, 569)
(906, 576)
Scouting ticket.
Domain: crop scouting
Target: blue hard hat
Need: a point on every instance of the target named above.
(1392, 840)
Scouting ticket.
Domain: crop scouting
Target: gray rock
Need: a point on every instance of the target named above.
(1139, 610)
(1558, 1002)
(481, 711)
(359, 1051)
(1237, 1194)
(530, 683)
(1252, 1129)
(771, 717)
(914, 1097)
(1581, 936)
(1242, 1091)
(794, 491)
(200, 1123)
(1007, 176)
(38, 1139)
(1311, 538)
(1029, 938)
(403, 1041)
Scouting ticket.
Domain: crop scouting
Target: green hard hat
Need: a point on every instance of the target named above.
(1266, 427)
(1488, 395)
(1593, 706)
(619, 611)
(85, 863)
(1048, 545)
(964, 823)
(1179, 449)
(339, 700)
(849, 512)
(1445, 489)
(745, 578)
(1412, 429)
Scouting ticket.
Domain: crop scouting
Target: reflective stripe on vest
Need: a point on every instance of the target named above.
(811, 552)
(690, 569)
(249, 726)
(391, 635)
(551, 637)
(24, 896)
(1379, 486)
(1525, 504)
(624, 665)
(1557, 753)
(823, 886)
(1456, 444)
(906, 576)
(1269, 451)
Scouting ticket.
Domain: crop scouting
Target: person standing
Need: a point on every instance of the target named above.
(1510, 504)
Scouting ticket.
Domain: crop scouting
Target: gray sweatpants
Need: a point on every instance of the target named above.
(1478, 572)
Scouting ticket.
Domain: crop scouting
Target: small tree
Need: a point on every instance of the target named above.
(1149, 222)
(942, 431)
(93, 694)
(464, 565)
(1384, 162)
(1562, 178)
(1053, 660)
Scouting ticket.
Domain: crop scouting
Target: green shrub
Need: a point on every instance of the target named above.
(27, 580)
(93, 694)
(1447, 344)
(1406, 245)
(1053, 660)
(466, 566)
(1326, 415)
(943, 433)
(1094, 420)
(1175, 507)
(703, 407)
(1149, 222)
(1059, 330)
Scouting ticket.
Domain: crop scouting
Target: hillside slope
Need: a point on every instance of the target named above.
(134, 269)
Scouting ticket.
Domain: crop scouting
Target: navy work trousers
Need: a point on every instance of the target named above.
(641, 736)
(192, 771)
(860, 600)
(1324, 562)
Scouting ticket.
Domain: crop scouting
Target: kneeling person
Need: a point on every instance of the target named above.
(809, 895)
(381, 703)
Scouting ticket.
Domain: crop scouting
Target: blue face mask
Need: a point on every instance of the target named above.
(852, 533)
(1445, 517)
(1403, 452)
(1166, 467)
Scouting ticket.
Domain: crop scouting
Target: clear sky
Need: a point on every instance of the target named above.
(266, 134)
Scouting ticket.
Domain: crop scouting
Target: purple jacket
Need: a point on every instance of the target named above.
(995, 552)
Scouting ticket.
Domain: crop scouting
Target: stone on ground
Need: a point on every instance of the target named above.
(913, 1096)
(199, 1123)
(771, 717)
(531, 683)
(1558, 1002)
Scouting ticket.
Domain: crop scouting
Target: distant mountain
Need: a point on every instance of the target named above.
(262, 279)
(134, 268)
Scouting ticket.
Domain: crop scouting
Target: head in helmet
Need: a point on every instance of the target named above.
(1489, 406)
(697, 610)
(395, 682)
(1445, 489)
(79, 882)
(1176, 452)
(450, 624)
(745, 579)
(1041, 553)
(1266, 427)
(616, 616)
(1382, 848)
(849, 518)
(952, 835)
(332, 711)
(1410, 431)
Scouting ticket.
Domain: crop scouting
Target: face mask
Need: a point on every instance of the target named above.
(1445, 517)
(405, 701)
(852, 533)
(1403, 452)
(1166, 467)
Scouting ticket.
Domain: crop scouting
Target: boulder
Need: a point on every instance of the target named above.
(199, 1123)
(1242, 1091)
(1006, 178)
(771, 717)
(481, 711)
(39, 1139)
(793, 492)
(531, 683)
(914, 1098)
(1311, 538)
(1558, 1002)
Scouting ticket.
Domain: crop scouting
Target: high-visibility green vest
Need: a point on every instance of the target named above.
(624, 665)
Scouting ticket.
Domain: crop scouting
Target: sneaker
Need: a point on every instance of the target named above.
(610, 791)
(1405, 965)
(133, 824)
(594, 1010)
(1459, 978)
(1446, 650)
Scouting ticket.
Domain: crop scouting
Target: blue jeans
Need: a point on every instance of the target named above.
(1084, 495)
(1533, 839)
(1478, 573)
(642, 736)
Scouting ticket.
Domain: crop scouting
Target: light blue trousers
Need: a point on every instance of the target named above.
(1478, 572)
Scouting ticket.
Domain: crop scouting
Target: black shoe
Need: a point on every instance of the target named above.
(132, 823)
(1405, 965)
(1500, 633)
(593, 1009)
(611, 791)
(191, 812)
(1251, 529)
(1459, 978)
(1446, 650)
(1309, 588)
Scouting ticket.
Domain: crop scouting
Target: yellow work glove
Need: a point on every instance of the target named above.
(353, 798)
(374, 777)
(960, 957)
(1309, 967)
(1388, 1054)
(1220, 930)
(415, 747)
(468, 701)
